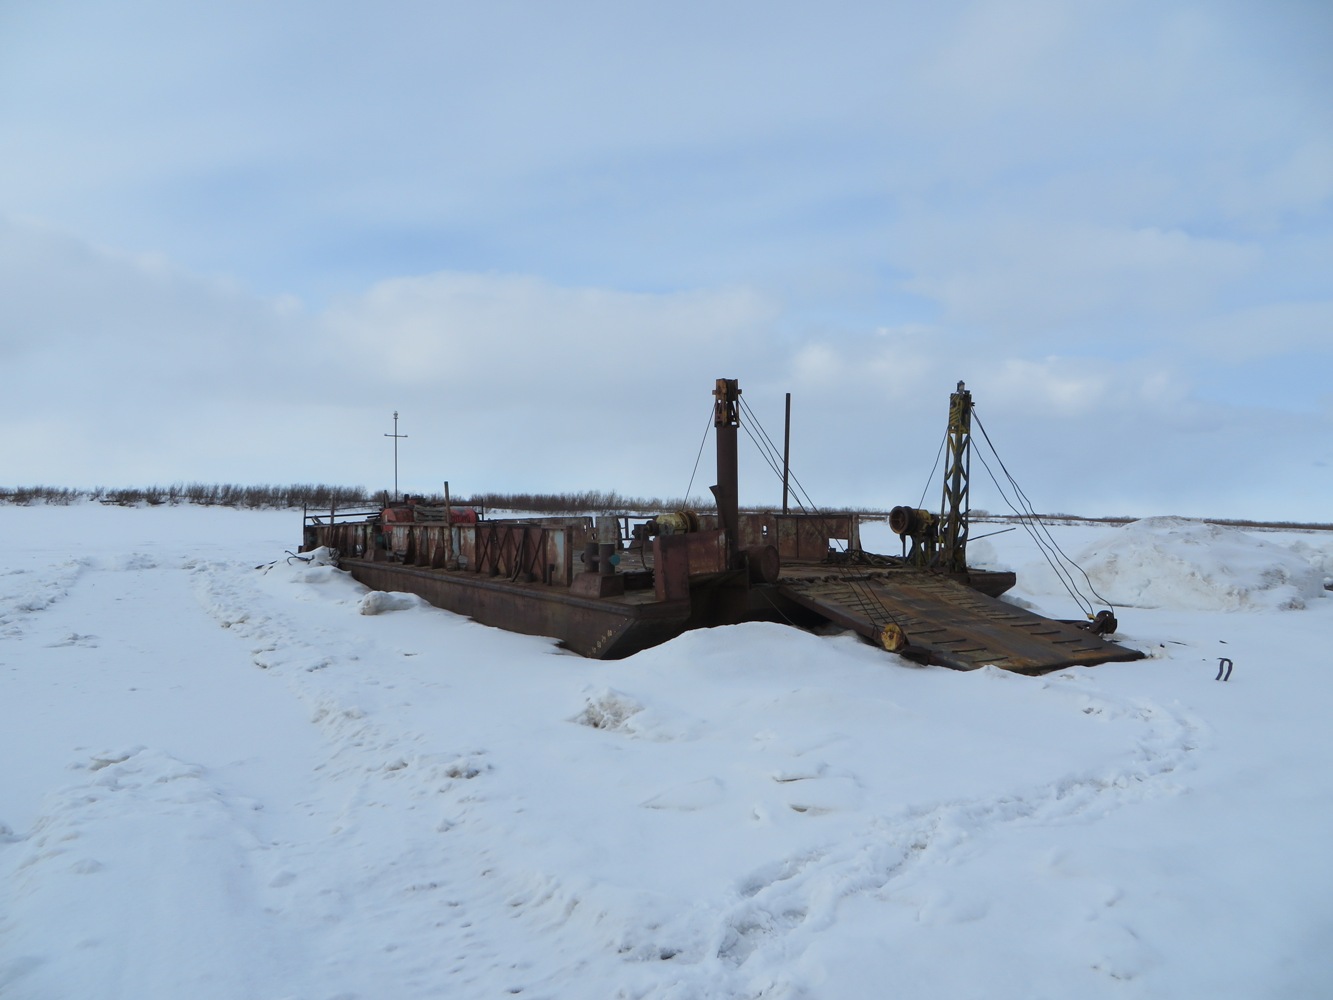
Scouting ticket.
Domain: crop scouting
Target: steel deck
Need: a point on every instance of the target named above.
(949, 624)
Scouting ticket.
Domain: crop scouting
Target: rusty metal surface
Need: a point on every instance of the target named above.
(801, 537)
(679, 559)
(605, 628)
(949, 624)
(726, 418)
(542, 549)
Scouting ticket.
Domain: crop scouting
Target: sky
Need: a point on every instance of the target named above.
(236, 239)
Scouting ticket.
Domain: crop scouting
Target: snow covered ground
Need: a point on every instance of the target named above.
(230, 782)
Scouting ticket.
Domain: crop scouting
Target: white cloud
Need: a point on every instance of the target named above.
(997, 52)
(448, 328)
(1055, 387)
(1300, 179)
(1275, 329)
(1028, 276)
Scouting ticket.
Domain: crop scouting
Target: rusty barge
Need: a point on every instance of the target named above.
(607, 588)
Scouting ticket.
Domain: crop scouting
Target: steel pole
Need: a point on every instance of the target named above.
(786, 453)
(726, 418)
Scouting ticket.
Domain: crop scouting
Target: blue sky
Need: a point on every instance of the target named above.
(235, 238)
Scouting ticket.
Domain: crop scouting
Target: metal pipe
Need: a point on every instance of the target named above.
(726, 418)
(786, 453)
(450, 559)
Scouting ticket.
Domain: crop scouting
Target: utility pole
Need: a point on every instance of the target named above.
(395, 435)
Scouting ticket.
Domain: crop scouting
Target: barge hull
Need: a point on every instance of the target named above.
(593, 627)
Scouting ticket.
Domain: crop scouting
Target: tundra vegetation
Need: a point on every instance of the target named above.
(319, 496)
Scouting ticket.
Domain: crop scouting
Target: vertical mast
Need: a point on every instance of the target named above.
(786, 453)
(726, 418)
(954, 507)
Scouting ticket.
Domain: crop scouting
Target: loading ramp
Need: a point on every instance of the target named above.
(946, 623)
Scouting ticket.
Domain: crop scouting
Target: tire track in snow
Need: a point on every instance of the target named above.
(438, 883)
(24, 593)
(403, 887)
(801, 895)
(747, 946)
(146, 867)
(145, 872)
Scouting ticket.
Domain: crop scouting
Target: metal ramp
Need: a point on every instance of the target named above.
(949, 624)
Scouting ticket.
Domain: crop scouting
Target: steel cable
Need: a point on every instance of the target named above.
(1029, 514)
(865, 600)
(938, 455)
(703, 441)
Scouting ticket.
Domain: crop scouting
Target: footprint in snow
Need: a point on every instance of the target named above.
(689, 797)
(75, 639)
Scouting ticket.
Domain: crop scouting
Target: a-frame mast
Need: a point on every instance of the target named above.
(954, 506)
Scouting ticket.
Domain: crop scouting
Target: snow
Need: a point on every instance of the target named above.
(232, 773)
(1165, 562)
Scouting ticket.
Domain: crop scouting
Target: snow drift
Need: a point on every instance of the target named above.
(1171, 562)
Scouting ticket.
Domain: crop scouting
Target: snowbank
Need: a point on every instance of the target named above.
(1172, 562)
